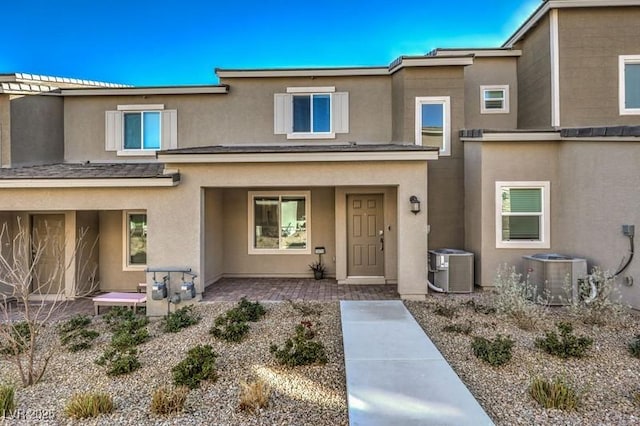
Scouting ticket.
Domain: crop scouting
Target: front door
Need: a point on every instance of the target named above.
(365, 235)
(47, 251)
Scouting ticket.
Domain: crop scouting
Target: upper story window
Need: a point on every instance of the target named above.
(494, 99)
(629, 83)
(311, 113)
(522, 215)
(433, 122)
(279, 222)
(140, 129)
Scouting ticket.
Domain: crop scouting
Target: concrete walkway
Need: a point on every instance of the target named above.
(395, 375)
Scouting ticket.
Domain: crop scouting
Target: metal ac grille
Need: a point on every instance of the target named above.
(460, 274)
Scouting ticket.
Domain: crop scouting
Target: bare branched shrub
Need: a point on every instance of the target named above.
(514, 298)
(31, 296)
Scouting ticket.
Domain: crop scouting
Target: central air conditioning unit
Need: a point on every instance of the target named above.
(553, 278)
(451, 270)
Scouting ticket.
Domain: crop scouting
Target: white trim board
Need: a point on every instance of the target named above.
(299, 157)
(555, 68)
(88, 183)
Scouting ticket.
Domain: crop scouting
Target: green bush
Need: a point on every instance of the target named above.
(458, 328)
(495, 352)
(634, 346)
(75, 335)
(553, 394)
(119, 362)
(86, 405)
(566, 345)
(252, 310)
(20, 339)
(229, 330)
(123, 340)
(7, 400)
(199, 365)
(180, 319)
(301, 349)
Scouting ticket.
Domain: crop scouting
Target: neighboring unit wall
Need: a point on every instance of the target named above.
(37, 130)
(591, 41)
(5, 131)
(490, 72)
(600, 193)
(534, 78)
(446, 175)
(473, 213)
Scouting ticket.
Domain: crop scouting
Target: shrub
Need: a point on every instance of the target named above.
(254, 396)
(446, 310)
(252, 310)
(634, 346)
(553, 394)
(199, 365)
(458, 328)
(229, 330)
(301, 349)
(605, 307)
(7, 400)
(122, 340)
(180, 318)
(89, 404)
(514, 298)
(495, 352)
(566, 345)
(74, 333)
(20, 338)
(169, 400)
(119, 362)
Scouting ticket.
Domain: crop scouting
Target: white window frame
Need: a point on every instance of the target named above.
(310, 91)
(545, 226)
(624, 60)
(505, 99)
(140, 109)
(126, 266)
(445, 101)
(251, 225)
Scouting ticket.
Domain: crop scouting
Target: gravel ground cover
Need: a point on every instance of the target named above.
(309, 395)
(607, 379)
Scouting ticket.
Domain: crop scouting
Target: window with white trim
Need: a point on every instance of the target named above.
(311, 113)
(433, 122)
(494, 99)
(629, 83)
(279, 222)
(522, 215)
(140, 129)
(135, 239)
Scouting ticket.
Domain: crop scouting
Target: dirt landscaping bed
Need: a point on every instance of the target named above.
(607, 380)
(303, 395)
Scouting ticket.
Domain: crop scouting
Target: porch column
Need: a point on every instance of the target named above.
(412, 241)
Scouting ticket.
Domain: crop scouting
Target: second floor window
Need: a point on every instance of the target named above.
(433, 122)
(142, 130)
(494, 99)
(629, 83)
(312, 113)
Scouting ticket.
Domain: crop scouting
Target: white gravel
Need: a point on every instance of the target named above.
(607, 378)
(300, 396)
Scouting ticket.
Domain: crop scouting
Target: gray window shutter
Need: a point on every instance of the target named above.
(282, 114)
(341, 112)
(113, 131)
(169, 129)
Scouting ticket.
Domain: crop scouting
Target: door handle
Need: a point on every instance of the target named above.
(381, 233)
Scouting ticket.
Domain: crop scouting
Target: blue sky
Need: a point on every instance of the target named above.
(164, 42)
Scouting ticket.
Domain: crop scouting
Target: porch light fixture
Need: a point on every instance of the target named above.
(415, 204)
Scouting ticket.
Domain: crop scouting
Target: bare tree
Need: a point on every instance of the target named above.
(23, 316)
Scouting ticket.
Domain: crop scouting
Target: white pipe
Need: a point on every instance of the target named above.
(593, 293)
(433, 287)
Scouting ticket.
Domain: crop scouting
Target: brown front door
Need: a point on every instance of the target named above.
(47, 250)
(365, 235)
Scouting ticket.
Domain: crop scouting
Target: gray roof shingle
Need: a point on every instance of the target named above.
(89, 171)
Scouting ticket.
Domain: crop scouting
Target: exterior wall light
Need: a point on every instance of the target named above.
(415, 204)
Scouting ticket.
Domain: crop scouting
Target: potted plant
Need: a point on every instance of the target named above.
(318, 269)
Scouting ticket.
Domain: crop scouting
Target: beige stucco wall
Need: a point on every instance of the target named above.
(490, 72)
(87, 257)
(534, 78)
(37, 133)
(217, 119)
(473, 212)
(445, 204)
(5, 131)
(214, 228)
(591, 40)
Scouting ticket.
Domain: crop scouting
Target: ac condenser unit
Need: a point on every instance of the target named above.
(554, 277)
(451, 270)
